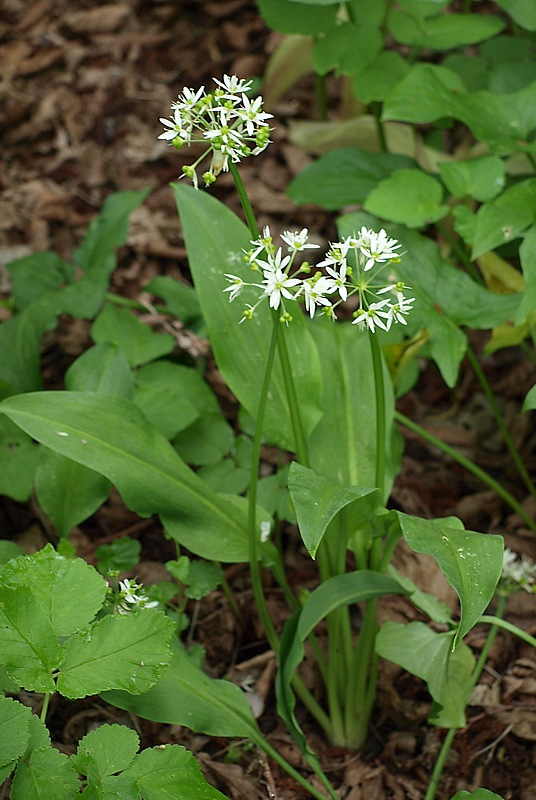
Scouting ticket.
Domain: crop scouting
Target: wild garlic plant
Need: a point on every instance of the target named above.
(340, 507)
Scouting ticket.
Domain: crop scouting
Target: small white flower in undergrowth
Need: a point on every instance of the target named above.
(372, 316)
(274, 262)
(233, 86)
(299, 240)
(517, 573)
(277, 284)
(397, 311)
(130, 600)
(339, 279)
(236, 286)
(265, 531)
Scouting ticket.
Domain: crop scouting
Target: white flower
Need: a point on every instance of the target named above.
(298, 240)
(372, 316)
(252, 114)
(400, 308)
(517, 573)
(377, 247)
(275, 262)
(277, 285)
(130, 600)
(188, 99)
(236, 286)
(314, 293)
(337, 254)
(339, 279)
(233, 86)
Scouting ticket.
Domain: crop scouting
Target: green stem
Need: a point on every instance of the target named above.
(44, 708)
(499, 419)
(361, 690)
(379, 396)
(252, 495)
(469, 466)
(244, 200)
(321, 97)
(261, 742)
(292, 399)
(447, 742)
(376, 109)
(126, 302)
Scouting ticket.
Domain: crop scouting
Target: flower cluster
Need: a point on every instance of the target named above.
(231, 125)
(129, 600)
(517, 573)
(351, 267)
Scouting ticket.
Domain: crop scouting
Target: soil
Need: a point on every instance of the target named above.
(83, 85)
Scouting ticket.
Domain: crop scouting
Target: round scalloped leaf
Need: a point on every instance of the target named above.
(409, 196)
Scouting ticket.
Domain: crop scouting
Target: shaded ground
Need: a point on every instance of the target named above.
(83, 85)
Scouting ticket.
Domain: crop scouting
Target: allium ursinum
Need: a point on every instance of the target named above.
(352, 267)
(130, 601)
(517, 573)
(233, 125)
(278, 283)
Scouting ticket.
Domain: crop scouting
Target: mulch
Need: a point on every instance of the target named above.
(82, 86)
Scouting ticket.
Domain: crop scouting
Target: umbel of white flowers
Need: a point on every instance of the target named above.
(230, 125)
(517, 573)
(351, 267)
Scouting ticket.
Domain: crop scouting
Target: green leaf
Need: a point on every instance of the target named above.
(180, 299)
(379, 78)
(46, 773)
(110, 748)
(34, 274)
(505, 218)
(343, 177)
(185, 695)
(287, 16)
(431, 605)
(421, 9)
(428, 93)
(206, 440)
(350, 418)
(68, 590)
(14, 730)
(480, 178)
(522, 12)
(422, 198)
(9, 550)
(169, 772)
(203, 578)
(318, 501)
(96, 255)
(111, 436)
(103, 368)
(138, 342)
(443, 32)
(68, 492)
(20, 343)
(527, 254)
(471, 562)
(129, 652)
(215, 238)
(428, 655)
(341, 590)
(29, 649)
(121, 555)
(18, 462)
(530, 400)
(346, 49)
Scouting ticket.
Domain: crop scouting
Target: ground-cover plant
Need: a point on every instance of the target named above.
(63, 630)
(303, 384)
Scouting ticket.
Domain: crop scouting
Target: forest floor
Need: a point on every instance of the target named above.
(83, 85)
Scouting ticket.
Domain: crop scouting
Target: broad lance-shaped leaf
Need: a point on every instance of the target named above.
(423, 652)
(471, 562)
(185, 695)
(215, 239)
(111, 436)
(129, 652)
(341, 590)
(350, 417)
(318, 501)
